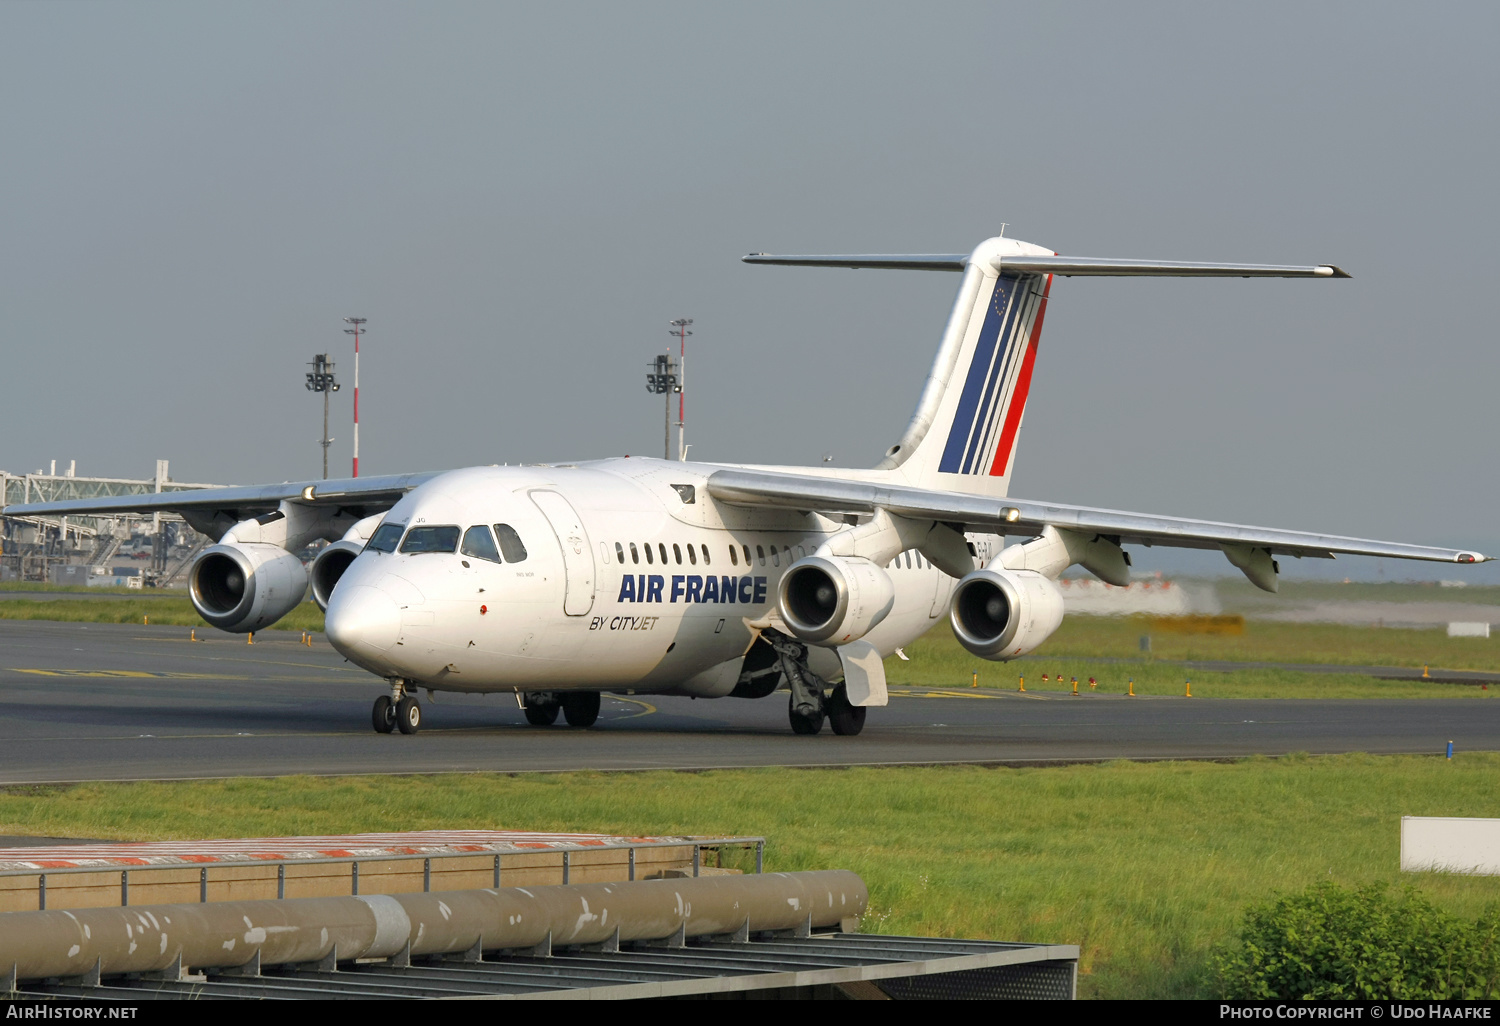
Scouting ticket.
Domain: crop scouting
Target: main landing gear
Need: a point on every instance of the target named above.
(579, 708)
(811, 700)
(396, 710)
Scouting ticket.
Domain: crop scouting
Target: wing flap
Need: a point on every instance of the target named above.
(1020, 516)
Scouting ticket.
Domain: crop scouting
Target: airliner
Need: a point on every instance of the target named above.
(560, 582)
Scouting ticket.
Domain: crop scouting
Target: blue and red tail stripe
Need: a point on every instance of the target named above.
(998, 379)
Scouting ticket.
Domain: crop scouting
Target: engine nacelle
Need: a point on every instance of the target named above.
(832, 600)
(329, 567)
(242, 587)
(1001, 614)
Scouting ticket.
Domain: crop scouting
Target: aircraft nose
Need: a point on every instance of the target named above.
(362, 622)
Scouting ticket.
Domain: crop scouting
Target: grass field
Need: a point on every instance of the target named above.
(1108, 649)
(170, 609)
(1145, 866)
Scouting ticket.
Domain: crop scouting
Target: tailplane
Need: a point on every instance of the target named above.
(964, 432)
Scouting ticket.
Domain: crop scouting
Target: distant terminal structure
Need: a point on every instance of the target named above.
(152, 550)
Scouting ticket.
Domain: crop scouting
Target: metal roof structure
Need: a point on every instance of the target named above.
(835, 965)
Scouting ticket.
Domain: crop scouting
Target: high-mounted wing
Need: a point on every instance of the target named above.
(371, 494)
(1021, 517)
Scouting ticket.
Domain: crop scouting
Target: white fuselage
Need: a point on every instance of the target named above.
(634, 578)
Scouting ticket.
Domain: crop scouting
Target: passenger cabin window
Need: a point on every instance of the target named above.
(649, 558)
(692, 556)
(775, 556)
(635, 555)
(620, 552)
(705, 554)
(801, 552)
(761, 552)
(386, 538)
(734, 560)
(479, 543)
(510, 543)
(676, 551)
(662, 548)
(430, 539)
(747, 555)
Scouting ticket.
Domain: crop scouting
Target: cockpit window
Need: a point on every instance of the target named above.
(510, 543)
(430, 539)
(386, 537)
(479, 543)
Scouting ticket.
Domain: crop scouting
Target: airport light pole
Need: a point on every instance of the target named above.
(320, 379)
(680, 329)
(661, 379)
(356, 331)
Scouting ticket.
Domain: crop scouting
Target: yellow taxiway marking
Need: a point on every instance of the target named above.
(646, 707)
(169, 675)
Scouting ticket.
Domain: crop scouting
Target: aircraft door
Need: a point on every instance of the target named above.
(578, 556)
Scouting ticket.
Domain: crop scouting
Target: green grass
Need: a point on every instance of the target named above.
(1107, 648)
(1145, 866)
(171, 610)
(79, 589)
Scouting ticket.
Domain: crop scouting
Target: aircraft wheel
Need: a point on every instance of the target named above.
(383, 716)
(541, 713)
(804, 724)
(845, 719)
(408, 715)
(581, 708)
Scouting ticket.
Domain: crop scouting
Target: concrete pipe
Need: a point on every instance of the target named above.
(216, 935)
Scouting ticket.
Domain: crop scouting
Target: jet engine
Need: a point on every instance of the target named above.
(1001, 614)
(329, 567)
(832, 600)
(242, 587)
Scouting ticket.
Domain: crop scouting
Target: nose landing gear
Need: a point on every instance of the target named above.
(396, 710)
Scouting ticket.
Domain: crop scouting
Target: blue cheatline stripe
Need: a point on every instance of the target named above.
(984, 423)
(1017, 337)
(979, 366)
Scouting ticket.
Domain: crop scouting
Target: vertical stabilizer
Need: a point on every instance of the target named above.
(963, 434)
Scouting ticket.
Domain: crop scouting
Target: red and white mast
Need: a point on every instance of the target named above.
(358, 328)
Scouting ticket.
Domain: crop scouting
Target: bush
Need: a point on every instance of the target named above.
(1332, 942)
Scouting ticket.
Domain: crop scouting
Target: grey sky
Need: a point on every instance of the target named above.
(520, 197)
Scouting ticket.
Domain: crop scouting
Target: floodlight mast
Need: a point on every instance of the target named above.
(356, 331)
(680, 329)
(662, 380)
(320, 379)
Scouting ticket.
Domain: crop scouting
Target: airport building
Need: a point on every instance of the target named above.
(153, 550)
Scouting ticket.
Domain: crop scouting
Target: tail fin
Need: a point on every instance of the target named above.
(963, 434)
(962, 437)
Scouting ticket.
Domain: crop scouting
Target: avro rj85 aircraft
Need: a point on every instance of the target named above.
(644, 576)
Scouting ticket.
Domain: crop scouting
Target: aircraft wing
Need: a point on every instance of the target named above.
(368, 494)
(1023, 517)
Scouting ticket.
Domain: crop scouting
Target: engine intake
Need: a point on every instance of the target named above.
(243, 587)
(832, 600)
(1002, 614)
(329, 567)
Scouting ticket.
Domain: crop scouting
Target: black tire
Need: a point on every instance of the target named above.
(541, 714)
(408, 715)
(581, 708)
(383, 716)
(807, 725)
(845, 719)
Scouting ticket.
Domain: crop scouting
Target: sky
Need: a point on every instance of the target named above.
(520, 197)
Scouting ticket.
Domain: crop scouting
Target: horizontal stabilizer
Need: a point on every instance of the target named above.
(1067, 266)
(888, 261)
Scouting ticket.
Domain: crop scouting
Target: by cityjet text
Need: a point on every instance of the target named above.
(1376, 1011)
